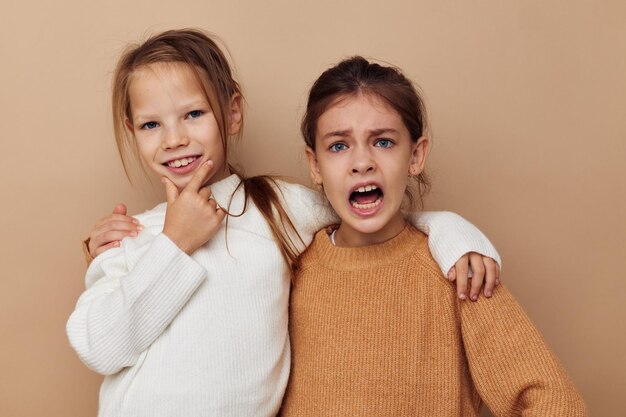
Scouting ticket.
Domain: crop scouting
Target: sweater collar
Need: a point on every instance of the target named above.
(223, 190)
(366, 257)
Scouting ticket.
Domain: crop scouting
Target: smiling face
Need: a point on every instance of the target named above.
(174, 125)
(363, 157)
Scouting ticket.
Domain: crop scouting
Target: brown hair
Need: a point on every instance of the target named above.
(356, 75)
(212, 70)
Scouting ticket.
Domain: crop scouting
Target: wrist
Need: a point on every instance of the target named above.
(180, 241)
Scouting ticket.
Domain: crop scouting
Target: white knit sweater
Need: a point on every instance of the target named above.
(206, 335)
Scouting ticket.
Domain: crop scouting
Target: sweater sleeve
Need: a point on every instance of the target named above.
(308, 210)
(513, 370)
(133, 293)
(450, 236)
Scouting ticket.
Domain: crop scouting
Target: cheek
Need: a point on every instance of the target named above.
(212, 140)
(147, 153)
(398, 177)
(328, 176)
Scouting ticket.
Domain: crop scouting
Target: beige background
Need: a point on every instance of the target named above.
(527, 102)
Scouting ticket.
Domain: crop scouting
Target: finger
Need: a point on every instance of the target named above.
(452, 274)
(490, 275)
(113, 235)
(120, 209)
(104, 248)
(115, 217)
(122, 225)
(205, 193)
(171, 192)
(216, 206)
(199, 176)
(497, 274)
(478, 274)
(461, 277)
(105, 237)
(221, 213)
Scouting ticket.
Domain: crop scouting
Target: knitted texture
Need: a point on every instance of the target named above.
(377, 331)
(203, 335)
(200, 335)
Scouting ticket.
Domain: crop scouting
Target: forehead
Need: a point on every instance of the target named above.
(173, 71)
(162, 80)
(360, 111)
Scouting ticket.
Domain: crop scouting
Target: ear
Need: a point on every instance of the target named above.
(419, 153)
(129, 125)
(236, 114)
(314, 167)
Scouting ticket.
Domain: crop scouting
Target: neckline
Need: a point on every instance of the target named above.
(224, 189)
(338, 258)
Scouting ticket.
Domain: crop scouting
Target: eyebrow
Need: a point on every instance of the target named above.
(347, 132)
(189, 106)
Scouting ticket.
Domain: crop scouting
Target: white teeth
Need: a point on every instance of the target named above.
(177, 163)
(366, 206)
(367, 188)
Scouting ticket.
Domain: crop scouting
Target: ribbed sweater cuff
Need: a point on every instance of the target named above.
(450, 236)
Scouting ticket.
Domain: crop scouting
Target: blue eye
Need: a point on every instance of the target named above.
(338, 147)
(149, 125)
(195, 114)
(384, 143)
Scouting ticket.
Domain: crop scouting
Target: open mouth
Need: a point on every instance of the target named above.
(366, 197)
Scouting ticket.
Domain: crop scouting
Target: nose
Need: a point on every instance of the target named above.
(175, 137)
(363, 161)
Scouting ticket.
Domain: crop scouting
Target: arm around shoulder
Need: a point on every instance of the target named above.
(450, 236)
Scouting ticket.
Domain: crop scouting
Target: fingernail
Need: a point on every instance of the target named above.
(474, 297)
(488, 294)
(449, 275)
(462, 296)
(497, 281)
(133, 234)
(140, 227)
(135, 221)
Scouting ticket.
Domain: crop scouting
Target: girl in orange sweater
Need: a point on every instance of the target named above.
(375, 328)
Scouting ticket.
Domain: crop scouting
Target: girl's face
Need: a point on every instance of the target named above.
(364, 155)
(173, 123)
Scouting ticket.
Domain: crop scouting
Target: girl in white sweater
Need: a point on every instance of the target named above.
(188, 317)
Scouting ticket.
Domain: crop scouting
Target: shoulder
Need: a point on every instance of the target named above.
(321, 243)
(152, 217)
(293, 192)
(418, 242)
(152, 220)
(306, 206)
(420, 255)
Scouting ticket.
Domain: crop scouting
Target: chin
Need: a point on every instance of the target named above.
(367, 227)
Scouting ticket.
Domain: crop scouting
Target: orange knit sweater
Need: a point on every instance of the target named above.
(378, 331)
